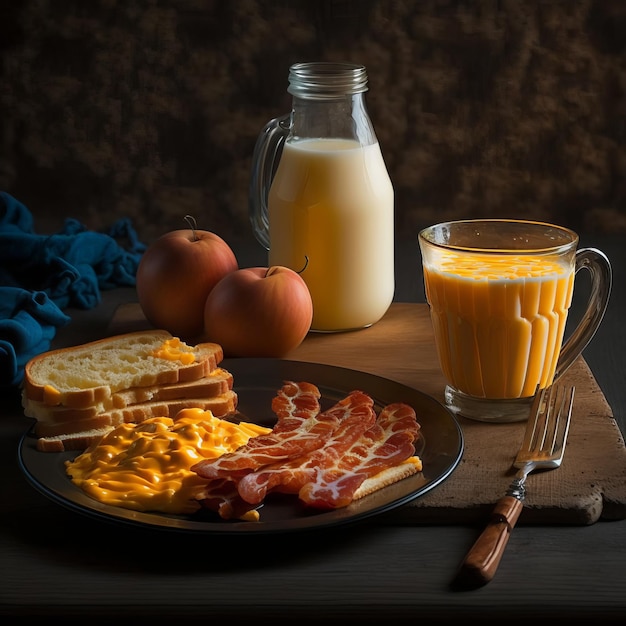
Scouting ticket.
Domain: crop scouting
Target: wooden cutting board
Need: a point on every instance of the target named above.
(590, 484)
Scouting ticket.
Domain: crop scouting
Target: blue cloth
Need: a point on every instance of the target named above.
(41, 275)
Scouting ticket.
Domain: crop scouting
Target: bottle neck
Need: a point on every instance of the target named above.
(329, 102)
(338, 118)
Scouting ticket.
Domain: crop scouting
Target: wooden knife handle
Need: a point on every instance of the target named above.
(482, 560)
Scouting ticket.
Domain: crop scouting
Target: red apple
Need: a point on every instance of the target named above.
(258, 312)
(176, 274)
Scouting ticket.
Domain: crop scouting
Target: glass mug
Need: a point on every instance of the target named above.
(499, 292)
(321, 200)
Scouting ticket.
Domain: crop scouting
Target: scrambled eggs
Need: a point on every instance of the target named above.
(146, 466)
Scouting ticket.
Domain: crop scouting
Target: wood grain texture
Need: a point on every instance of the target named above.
(590, 485)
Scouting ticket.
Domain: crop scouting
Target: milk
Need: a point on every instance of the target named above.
(331, 219)
(499, 320)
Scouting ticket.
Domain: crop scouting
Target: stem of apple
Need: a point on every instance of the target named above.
(193, 225)
(306, 263)
(271, 270)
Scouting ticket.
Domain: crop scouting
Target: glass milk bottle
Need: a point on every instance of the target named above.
(321, 201)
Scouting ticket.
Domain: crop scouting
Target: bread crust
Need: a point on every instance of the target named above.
(220, 406)
(60, 429)
(74, 441)
(216, 383)
(43, 379)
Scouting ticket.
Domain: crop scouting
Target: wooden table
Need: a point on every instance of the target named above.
(560, 562)
(590, 485)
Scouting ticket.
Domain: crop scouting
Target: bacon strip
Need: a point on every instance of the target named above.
(221, 496)
(323, 457)
(355, 415)
(300, 428)
(387, 443)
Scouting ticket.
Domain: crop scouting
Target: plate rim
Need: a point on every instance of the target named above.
(73, 498)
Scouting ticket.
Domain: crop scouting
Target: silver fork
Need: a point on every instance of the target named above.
(542, 448)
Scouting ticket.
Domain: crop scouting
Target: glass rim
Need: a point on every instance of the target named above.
(556, 248)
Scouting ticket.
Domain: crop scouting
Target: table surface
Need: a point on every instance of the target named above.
(58, 563)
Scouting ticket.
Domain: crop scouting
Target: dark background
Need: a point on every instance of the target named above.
(150, 109)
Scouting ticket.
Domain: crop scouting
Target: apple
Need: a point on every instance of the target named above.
(176, 274)
(259, 312)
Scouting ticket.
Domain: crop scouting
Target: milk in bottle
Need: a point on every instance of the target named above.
(328, 211)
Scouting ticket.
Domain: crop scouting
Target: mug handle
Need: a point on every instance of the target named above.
(267, 150)
(598, 265)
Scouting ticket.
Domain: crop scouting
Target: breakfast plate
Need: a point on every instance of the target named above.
(256, 381)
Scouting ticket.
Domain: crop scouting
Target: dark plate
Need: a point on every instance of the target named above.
(440, 447)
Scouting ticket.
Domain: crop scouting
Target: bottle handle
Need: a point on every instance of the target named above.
(267, 150)
(598, 265)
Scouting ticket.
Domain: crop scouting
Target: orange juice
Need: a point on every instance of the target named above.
(498, 319)
(331, 218)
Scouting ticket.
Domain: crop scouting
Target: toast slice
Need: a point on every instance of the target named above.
(216, 383)
(59, 429)
(220, 406)
(81, 376)
(72, 441)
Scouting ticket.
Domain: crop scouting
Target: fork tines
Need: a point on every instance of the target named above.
(550, 415)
